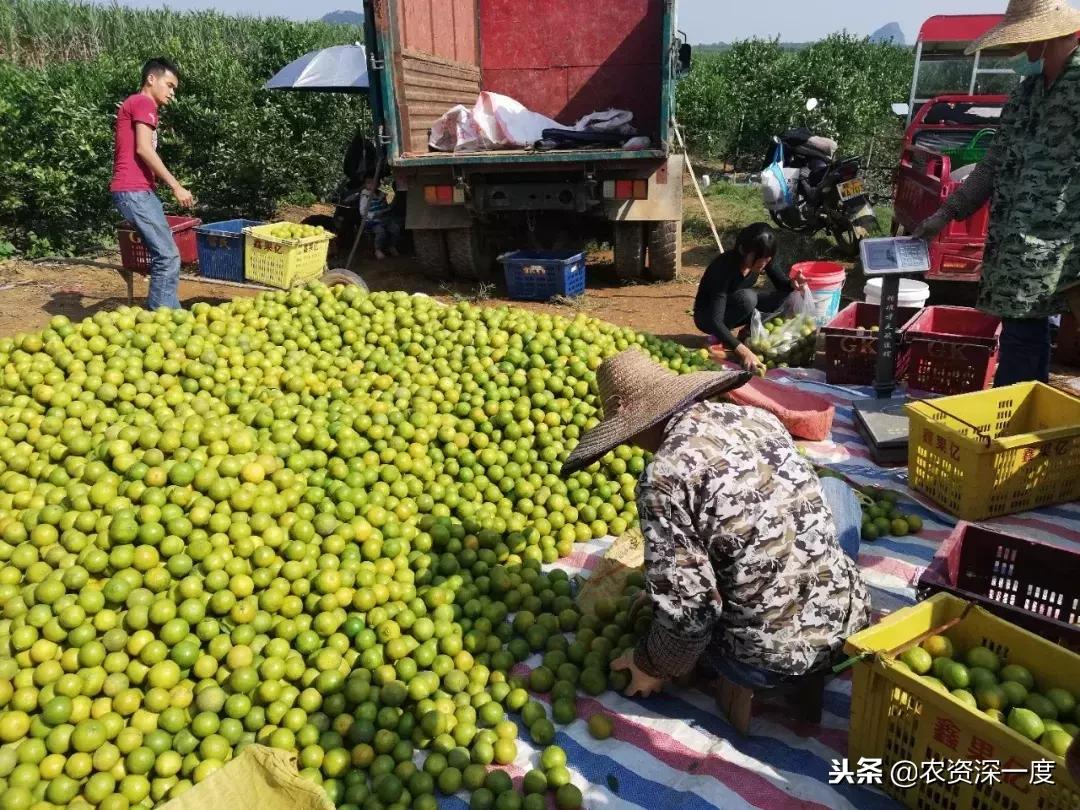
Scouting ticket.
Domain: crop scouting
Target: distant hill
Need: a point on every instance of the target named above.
(889, 33)
(343, 18)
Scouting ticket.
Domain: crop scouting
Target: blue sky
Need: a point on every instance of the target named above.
(702, 20)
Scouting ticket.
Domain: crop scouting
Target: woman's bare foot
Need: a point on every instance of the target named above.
(380, 255)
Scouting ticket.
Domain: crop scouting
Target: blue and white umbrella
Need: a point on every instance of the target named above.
(339, 69)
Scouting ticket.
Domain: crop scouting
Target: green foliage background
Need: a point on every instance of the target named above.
(64, 68)
(734, 101)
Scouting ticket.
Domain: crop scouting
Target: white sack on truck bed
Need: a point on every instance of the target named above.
(500, 122)
(495, 122)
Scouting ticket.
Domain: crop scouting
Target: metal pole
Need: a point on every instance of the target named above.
(363, 220)
(974, 73)
(697, 188)
(885, 378)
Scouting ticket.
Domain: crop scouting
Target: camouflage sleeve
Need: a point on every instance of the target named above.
(973, 192)
(679, 578)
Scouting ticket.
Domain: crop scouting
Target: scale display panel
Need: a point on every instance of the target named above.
(900, 255)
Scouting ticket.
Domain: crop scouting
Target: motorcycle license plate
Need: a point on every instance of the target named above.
(851, 189)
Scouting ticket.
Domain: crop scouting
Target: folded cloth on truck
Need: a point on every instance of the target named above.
(500, 122)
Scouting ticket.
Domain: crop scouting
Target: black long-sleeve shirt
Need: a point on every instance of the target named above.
(722, 279)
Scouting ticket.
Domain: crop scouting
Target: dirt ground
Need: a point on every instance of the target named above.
(31, 293)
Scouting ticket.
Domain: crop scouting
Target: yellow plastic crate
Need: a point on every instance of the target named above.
(898, 717)
(283, 262)
(996, 452)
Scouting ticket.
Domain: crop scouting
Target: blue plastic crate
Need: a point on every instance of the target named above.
(221, 248)
(538, 275)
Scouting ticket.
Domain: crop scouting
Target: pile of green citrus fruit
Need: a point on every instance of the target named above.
(1007, 693)
(787, 343)
(882, 516)
(291, 230)
(303, 520)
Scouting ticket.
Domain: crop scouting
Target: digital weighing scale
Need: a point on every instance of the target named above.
(883, 423)
(890, 260)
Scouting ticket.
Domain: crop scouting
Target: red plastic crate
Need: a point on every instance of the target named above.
(1068, 342)
(135, 256)
(951, 350)
(1026, 582)
(850, 346)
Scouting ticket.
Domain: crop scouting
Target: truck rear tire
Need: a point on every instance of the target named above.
(665, 250)
(431, 253)
(629, 250)
(469, 258)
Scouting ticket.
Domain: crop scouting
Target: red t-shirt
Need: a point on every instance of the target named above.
(130, 173)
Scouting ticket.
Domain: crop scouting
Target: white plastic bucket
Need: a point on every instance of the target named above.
(913, 293)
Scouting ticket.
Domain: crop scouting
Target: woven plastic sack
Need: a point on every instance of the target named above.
(804, 415)
(261, 778)
(608, 579)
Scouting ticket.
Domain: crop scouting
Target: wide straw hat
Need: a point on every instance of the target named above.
(1029, 21)
(638, 393)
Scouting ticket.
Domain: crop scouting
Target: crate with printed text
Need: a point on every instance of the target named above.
(963, 756)
(282, 254)
(997, 452)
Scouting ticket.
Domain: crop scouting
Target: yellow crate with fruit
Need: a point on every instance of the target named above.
(946, 681)
(282, 254)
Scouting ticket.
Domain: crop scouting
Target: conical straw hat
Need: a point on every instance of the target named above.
(1030, 21)
(637, 393)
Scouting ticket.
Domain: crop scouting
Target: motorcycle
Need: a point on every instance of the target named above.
(807, 189)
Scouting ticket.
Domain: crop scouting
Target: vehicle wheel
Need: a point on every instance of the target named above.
(630, 250)
(341, 277)
(431, 254)
(469, 257)
(665, 250)
(847, 238)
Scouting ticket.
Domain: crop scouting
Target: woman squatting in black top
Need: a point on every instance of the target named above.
(726, 298)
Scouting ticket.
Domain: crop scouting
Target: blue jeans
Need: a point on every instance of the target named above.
(387, 233)
(143, 210)
(847, 515)
(1025, 351)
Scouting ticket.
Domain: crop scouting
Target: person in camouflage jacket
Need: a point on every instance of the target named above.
(1031, 177)
(743, 560)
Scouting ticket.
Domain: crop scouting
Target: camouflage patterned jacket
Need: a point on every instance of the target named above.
(741, 549)
(1031, 176)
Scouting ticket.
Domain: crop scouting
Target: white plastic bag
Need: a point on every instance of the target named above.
(757, 330)
(775, 194)
(801, 302)
(455, 132)
(785, 343)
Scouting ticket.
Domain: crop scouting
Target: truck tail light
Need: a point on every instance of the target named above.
(626, 189)
(444, 195)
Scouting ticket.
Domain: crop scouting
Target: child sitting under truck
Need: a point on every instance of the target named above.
(378, 217)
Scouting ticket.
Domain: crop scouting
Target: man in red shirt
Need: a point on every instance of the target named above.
(136, 171)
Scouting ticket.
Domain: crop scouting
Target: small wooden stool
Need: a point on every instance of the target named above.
(806, 696)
